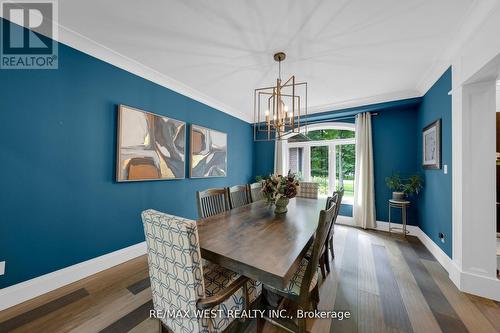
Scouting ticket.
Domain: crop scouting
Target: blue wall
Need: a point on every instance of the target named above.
(394, 148)
(435, 201)
(59, 200)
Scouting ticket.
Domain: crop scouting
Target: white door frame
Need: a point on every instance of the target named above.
(474, 263)
(331, 144)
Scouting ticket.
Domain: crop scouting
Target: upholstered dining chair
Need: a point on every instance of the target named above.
(238, 196)
(303, 289)
(255, 190)
(308, 190)
(212, 202)
(179, 283)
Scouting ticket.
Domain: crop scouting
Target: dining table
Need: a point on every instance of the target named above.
(255, 242)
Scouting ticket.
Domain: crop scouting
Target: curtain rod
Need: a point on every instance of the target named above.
(335, 119)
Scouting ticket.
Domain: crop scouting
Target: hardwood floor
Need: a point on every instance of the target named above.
(389, 285)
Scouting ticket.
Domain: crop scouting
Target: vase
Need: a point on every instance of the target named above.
(281, 205)
(399, 196)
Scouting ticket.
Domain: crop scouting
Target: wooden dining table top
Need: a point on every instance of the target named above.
(252, 241)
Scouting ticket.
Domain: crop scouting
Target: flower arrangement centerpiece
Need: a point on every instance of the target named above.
(279, 189)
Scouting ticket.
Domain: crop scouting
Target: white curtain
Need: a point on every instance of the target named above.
(279, 162)
(364, 193)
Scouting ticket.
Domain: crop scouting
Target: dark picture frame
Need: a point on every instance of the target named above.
(431, 145)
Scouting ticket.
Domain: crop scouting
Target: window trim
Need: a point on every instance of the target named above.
(332, 147)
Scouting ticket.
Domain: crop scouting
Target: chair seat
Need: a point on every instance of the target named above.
(216, 278)
(309, 252)
(295, 283)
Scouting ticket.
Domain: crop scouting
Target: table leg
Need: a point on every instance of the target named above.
(404, 220)
(389, 218)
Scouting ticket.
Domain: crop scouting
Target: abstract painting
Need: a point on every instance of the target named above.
(208, 152)
(431, 145)
(149, 146)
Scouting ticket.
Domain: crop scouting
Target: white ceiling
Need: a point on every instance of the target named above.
(347, 51)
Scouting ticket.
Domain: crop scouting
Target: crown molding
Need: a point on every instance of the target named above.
(479, 11)
(477, 14)
(356, 102)
(101, 52)
(93, 48)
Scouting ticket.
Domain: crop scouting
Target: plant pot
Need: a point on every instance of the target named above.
(281, 206)
(398, 196)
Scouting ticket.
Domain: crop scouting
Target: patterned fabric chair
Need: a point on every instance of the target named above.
(238, 196)
(303, 286)
(255, 190)
(308, 190)
(180, 283)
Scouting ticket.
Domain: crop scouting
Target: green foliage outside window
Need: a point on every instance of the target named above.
(345, 159)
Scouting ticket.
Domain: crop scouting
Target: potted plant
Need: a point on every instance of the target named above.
(278, 190)
(402, 187)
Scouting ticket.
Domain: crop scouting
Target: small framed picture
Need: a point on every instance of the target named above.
(431, 145)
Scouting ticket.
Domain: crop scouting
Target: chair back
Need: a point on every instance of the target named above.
(255, 190)
(175, 268)
(337, 199)
(340, 195)
(308, 190)
(212, 202)
(324, 223)
(238, 196)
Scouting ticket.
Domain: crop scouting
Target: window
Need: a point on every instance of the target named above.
(329, 159)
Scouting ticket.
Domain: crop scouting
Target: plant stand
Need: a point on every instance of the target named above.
(403, 205)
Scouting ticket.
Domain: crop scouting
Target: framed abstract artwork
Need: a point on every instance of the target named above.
(149, 146)
(431, 145)
(208, 153)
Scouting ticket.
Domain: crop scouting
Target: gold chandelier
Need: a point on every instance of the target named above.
(278, 110)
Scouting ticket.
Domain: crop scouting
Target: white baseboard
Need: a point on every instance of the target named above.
(26, 290)
(384, 226)
(436, 251)
(487, 287)
(466, 282)
(21, 292)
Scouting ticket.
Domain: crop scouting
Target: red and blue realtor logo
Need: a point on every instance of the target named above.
(28, 36)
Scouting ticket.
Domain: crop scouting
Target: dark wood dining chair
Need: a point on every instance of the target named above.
(303, 289)
(238, 196)
(212, 202)
(337, 196)
(255, 190)
(325, 259)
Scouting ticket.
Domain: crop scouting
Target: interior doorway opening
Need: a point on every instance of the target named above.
(498, 176)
